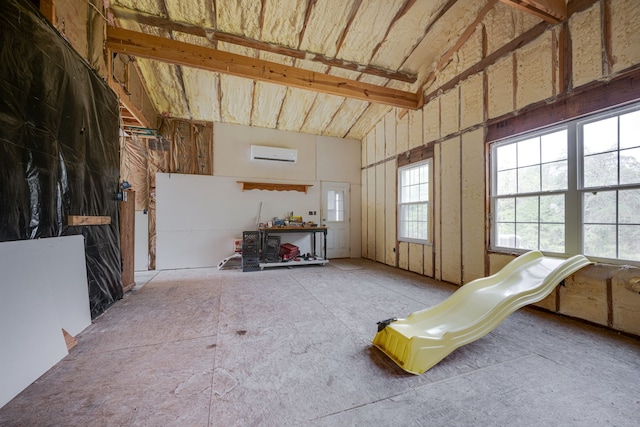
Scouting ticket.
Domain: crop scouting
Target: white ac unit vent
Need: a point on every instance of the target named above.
(274, 154)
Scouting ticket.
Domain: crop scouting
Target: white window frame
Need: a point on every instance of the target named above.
(429, 202)
(575, 193)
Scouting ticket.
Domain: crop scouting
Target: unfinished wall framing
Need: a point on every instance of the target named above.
(522, 69)
(182, 147)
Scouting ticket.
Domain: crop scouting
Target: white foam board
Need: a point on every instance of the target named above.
(44, 289)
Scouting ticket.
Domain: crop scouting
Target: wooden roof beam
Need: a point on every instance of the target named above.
(180, 53)
(553, 11)
(444, 60)
(215, 35)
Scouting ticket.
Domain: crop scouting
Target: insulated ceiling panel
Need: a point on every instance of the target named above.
(283, 21)
(348, 113)
(239, 17)
(410, 28)
(368, 29)
(358, 41)
(326, 24)
(321, 113)
(195, 12)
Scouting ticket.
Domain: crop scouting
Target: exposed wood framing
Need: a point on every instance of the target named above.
(416, 154)
(215, 35)
(74, 220)
(261, 22)
(69, 340)
(555, 55)
(586, 99)
(354, 10)
(574, 6)
(435, 19)
(180, 53)
(512, 46)
(307, 15)
(468, 32)
(271, 186)
(553, 11)
(408, 4)
(607, 57)
(48, 9)
(566, 62)
(135, 117)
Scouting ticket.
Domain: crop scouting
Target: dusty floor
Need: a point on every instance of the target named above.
(292, 347)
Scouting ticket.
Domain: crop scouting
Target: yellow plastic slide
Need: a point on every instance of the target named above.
(426, 337)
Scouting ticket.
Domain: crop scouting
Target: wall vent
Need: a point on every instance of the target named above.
(274, 154)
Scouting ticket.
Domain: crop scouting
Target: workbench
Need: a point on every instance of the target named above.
(312, 230)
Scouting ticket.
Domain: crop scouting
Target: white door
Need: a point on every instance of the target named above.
(336, 216)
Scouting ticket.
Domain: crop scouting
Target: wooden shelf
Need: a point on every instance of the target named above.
(270, 186)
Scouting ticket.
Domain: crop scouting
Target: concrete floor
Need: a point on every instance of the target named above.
(292, 347)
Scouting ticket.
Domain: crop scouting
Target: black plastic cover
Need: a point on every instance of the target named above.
(59, 146)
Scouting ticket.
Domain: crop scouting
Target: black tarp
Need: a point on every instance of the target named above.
(59, 146)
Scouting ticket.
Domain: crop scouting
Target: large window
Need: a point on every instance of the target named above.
(571, 189)
(414, 198)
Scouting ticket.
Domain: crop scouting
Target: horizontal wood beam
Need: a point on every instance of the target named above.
(73, 220)
(271, 186)
(587, 99)
(180, 53)
(553, 11)
(212, 34)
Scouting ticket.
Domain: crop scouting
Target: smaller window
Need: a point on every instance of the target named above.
(414, 198)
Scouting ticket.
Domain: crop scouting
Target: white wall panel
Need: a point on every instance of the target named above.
(403, 255)
(45, 289)
(415, 128)
(371, 213)
(416, 258)
(402, 134)
(199, 216)
(390, 133)
(390, 212)
(380, 137)
(450, 245)
(380, 215)
(141, 250)
(437, 213)
(473, 166)
(364, 214)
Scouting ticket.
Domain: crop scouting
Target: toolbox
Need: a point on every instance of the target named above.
(288, 251)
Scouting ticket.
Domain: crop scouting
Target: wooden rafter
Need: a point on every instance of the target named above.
(444, 60)
(444, 9)
(215, 35)
(354, 10)
(553, 11)
(307, 15)
(408, 4)
(180, 53)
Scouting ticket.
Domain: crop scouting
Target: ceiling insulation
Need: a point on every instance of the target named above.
(397, 45)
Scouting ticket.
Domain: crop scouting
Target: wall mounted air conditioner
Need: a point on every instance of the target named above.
(274, 154)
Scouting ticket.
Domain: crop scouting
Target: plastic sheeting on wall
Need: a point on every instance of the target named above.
(58, 146)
